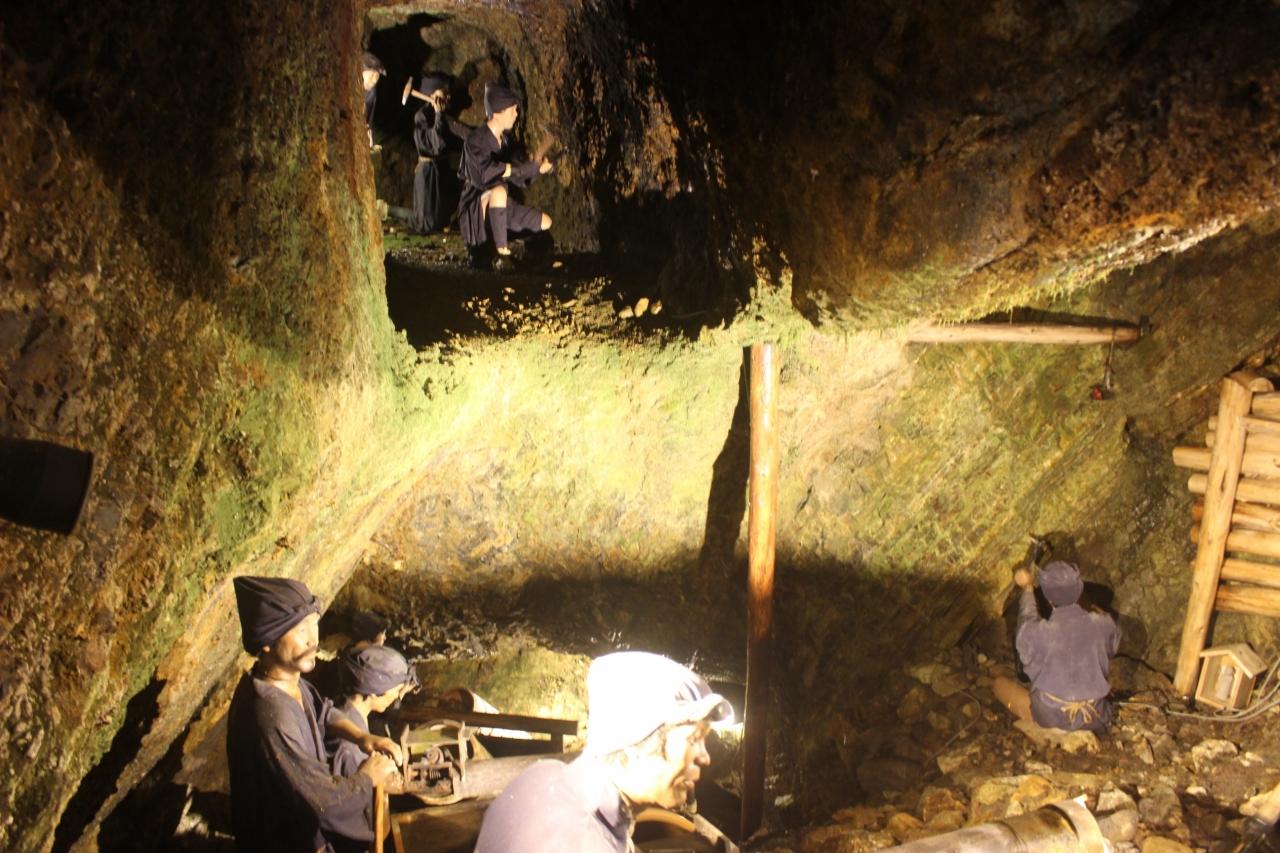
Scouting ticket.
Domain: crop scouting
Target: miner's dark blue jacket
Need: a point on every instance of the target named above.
(284, 799)
(1066, 656)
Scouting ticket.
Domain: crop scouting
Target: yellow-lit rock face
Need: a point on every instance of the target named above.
(191, 287)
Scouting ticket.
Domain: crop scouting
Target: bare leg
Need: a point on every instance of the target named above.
(1013, 696)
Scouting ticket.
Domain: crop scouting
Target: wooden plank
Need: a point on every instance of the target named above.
(1257, 464)
(1242, 598)
(1224, 473)
(480, 719)
(1253, 491)
(1022, 333)
(761, 541)
(1253, 425)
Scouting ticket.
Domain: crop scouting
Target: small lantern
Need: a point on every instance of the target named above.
(1227, 674)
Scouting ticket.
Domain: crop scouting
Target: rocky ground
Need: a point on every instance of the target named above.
(948, 756)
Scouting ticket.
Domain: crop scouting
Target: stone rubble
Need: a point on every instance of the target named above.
(1155, 783)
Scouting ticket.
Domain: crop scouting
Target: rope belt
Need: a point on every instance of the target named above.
(1079, 711)
(422, 158)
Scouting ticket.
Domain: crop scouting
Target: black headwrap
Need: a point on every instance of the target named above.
(1061, 584)
(269, 607)
(373, 63)
(366, 625)
(498, 98)
(433, 83)
(376, 669)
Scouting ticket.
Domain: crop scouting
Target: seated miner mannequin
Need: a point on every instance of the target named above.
(648, 720)
(372, 71)
(1067, 656)
(378, 677)
(283, 796)
(487, 175)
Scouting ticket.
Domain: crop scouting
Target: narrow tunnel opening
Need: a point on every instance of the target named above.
(614, 262)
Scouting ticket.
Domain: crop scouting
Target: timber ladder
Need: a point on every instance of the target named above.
(1237, 522)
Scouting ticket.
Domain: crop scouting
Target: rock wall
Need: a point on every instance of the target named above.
(953, 160)
(192, 289)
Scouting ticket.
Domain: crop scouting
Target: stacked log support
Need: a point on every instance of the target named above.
(1238, 516)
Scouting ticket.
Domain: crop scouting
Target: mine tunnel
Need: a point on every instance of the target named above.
(884, 367)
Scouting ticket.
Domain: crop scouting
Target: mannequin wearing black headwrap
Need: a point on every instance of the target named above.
(283, 797)
(1067, 656)
(487, 172)
(378, 677)
(429, 127)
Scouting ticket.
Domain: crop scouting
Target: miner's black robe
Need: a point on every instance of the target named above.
(428, 138)
(484, 160)
(283, 796)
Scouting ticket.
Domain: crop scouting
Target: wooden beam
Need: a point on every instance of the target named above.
(1253, 442)
(1022, 333)
(557, 729)
(1254, 491)
(1266, 405)
(1241, 598)
(1247, 571)
(1257, 463)
(1220, 494)
(1246, 541)
(762, 540)
(1253, 425)
(1247, 516)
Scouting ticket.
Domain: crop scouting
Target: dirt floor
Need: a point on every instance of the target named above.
(436, 296)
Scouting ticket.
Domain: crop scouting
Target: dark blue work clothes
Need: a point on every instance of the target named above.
(284, 799)
(558, 808)
(428, 137)
(347, 757)
(1067, 657)
(484, 161)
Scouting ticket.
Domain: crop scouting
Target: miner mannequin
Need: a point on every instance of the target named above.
(372, 71)
(378, 677)
(1066, 656)
(487, 175)
(648, 720)
(283, 797)
(429, 128)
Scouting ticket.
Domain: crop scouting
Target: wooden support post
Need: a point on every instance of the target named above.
(761, 540)
(1220, 495)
